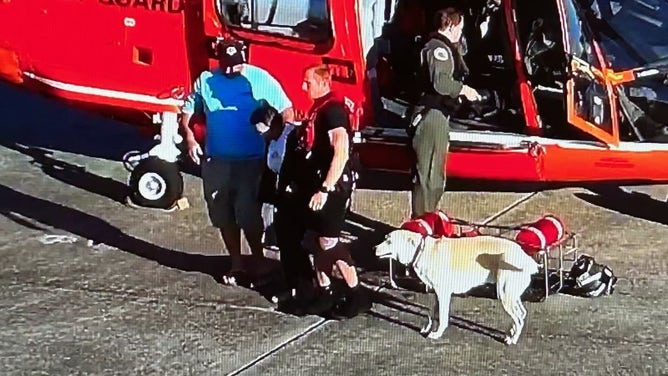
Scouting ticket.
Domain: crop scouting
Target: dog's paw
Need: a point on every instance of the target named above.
(510, 340)
(427, 328)
(435, 335)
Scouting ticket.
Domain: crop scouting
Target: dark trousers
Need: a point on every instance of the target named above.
(290, 224)
(430, 146)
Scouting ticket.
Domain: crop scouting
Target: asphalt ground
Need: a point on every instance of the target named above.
(91, 286)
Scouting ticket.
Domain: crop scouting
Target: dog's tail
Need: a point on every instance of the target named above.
(517, 260)
(504, 265)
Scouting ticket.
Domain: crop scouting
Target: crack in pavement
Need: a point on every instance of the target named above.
(280, 346)
(310, 329)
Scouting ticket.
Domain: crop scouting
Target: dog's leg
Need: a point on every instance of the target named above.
(443, 301)
(518, 285)
(507, 302)
(431, 316)
(508, 307)
(520, 314)
(524, 310)
(519, 309)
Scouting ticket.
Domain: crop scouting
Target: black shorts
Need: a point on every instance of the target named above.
(231, 189)
(329, 221)
(326, 222)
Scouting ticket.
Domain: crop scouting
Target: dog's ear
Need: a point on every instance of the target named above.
(413, 239)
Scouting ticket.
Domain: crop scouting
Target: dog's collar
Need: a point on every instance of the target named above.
(418, 252)
(414, 263)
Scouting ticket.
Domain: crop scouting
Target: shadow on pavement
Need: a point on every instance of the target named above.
(44, 123)
(72, 174)
(14, 205)
(36, 120)
(636, 204)
(394, 303)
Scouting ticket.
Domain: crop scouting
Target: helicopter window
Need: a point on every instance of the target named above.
(308, 20)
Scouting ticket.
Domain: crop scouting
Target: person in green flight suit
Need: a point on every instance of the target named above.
(442, 73)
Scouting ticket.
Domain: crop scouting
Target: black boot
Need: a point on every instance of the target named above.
(297, 299)
(323, 303)
(357, 301)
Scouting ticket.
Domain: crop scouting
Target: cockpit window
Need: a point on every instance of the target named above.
(308, 20)
(633, 33)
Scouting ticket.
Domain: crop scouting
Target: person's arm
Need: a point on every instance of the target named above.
(288, 115)
(192, 105)
(441, 70)
(268, 88)
(338, 135)
(185, 126)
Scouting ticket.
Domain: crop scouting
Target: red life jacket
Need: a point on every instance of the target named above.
(438, 224)
(309, 122)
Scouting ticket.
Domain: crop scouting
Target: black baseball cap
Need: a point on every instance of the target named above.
(230, 52)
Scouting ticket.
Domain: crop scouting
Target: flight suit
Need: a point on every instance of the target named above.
(442, 72)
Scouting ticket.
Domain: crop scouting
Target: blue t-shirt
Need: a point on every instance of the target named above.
(228, 104)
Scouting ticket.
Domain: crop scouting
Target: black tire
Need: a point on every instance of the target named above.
(155, 183)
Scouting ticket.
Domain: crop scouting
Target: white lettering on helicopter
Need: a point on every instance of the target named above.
(170, 6)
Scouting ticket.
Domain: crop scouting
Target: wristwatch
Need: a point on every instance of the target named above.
(324, 189)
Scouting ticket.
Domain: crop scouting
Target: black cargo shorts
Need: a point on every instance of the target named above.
(231, 189)
(330, 220)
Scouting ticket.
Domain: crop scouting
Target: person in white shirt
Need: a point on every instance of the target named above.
(275, 154)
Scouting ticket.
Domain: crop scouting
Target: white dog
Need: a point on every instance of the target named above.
(457, 265)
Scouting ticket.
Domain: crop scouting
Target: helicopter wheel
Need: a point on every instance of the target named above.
(155, 183)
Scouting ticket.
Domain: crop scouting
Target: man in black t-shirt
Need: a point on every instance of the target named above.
(316, 184)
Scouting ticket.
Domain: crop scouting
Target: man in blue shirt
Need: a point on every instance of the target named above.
(234, 149)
